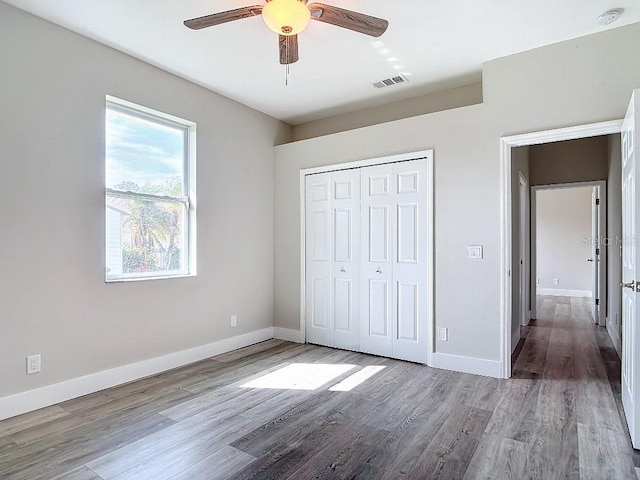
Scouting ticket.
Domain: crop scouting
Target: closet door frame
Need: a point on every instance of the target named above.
(427, 155)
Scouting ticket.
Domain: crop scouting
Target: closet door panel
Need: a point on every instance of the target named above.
(345, 267)
(407, 313)
(378, 218)
(408, 233)
(410, 261)
(318, 236)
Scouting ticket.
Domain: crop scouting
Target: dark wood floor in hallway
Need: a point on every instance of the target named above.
(279, 410)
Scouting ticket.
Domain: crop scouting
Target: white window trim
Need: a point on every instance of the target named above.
(189, 179)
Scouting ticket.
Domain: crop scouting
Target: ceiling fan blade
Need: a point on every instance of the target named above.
(223, 17)
(288, 49)
(358, 22)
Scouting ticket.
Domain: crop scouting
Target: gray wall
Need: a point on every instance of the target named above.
(519, 164)
(576, 82)
(563, 228)
(434, 102)
(53, 298)
(614, 234)
(581, 160)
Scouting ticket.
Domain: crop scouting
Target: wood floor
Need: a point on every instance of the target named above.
(558, 417)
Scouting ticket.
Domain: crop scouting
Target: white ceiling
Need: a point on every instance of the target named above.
(437, 44)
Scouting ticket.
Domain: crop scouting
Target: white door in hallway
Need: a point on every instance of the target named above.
(631, 270)
(524, 241)
(595, 254)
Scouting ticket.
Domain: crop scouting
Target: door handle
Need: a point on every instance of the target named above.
(589, 259)
(635, 286)
(342, 270)
(378, 270)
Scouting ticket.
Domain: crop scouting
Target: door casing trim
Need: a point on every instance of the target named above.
(506, 144)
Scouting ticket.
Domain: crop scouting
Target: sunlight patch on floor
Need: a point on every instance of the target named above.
(299, 376)
(357, 378)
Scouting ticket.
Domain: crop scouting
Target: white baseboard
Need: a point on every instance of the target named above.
(51, 394)
(558, 292)
(615, 338)
(287, 334)
(476, 366)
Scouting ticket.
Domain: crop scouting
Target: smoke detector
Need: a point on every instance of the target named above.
(610, 16)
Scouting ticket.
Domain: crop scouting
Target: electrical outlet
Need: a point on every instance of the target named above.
(234, 320)
(556, 281)
(33, 364)
(443, 334)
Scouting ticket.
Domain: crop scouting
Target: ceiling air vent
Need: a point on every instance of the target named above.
(388, 82)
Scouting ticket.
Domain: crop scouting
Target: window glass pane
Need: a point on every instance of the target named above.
(144, 237)
(143, 155)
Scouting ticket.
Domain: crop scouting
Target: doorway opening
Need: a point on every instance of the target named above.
(569, 244)
(518, 301)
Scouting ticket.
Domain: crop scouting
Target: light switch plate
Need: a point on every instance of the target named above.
(475, 251)
(443, 334)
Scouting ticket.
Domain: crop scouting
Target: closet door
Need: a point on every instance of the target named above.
(367, 241)
(394, 260)
(378, 217)
(346, 259)
(332, 234)
(318, 259)
(410, 261)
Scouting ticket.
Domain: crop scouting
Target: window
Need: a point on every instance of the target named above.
(150, 213)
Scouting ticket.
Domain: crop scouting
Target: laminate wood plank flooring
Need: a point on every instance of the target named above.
(560, 416)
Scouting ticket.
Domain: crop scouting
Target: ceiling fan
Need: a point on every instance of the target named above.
(287, 18)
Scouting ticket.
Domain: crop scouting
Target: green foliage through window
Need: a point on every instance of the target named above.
(147, 210)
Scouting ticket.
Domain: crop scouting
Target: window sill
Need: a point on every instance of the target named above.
(150, 277)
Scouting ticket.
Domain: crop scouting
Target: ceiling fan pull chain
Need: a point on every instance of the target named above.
(286, 70)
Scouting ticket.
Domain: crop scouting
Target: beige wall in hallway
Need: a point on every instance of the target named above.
(580, 160)
(563, 233)
(519, 164)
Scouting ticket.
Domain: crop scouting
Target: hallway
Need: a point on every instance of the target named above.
(564, 398)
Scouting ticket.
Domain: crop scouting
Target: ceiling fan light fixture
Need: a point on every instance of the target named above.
(286, 17)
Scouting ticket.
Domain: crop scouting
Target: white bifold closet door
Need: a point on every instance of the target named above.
(366, 260)
(394, 261)
(333, 259)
